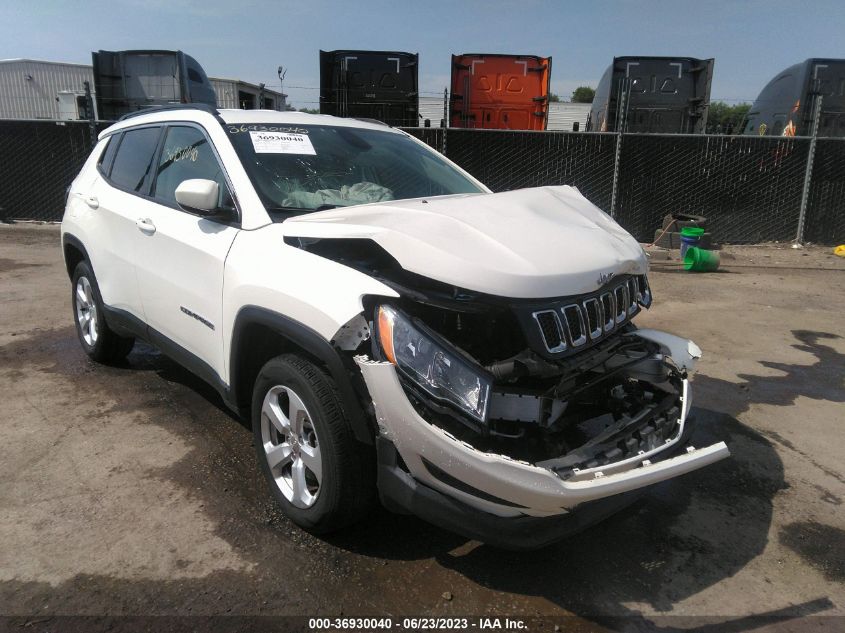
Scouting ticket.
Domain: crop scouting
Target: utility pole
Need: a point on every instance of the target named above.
(89, 104)
(282, 71)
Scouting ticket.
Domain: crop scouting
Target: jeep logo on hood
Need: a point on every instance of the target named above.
(604, 278)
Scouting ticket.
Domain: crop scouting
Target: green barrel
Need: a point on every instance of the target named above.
(700, 261)
(689, 238)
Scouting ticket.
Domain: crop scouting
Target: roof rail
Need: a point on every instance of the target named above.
(177, 106)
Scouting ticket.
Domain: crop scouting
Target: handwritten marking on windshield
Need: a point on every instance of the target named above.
(257, 127)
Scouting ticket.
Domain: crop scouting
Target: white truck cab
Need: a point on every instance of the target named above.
(389, 325)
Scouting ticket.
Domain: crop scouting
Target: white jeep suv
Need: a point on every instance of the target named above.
(389, 325)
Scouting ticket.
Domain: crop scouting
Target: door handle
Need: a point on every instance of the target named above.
(92, 201)
(145, 225)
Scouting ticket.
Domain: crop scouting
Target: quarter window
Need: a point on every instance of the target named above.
(134, 158)
(107, 156)
(187, 154)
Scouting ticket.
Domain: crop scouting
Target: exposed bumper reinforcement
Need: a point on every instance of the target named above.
(401, 493)
(526, 489)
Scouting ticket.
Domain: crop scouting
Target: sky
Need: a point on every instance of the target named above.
(250, 39)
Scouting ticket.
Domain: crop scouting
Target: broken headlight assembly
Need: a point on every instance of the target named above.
(440, 371)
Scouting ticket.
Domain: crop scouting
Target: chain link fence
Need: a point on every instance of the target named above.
(751, 189)
(505, 160)
(825, 219)
(748, 188)
(433, 137)
(38, 160)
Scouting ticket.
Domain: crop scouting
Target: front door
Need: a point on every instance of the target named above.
(181, 255)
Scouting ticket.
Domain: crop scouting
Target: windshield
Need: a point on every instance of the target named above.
(304, 168)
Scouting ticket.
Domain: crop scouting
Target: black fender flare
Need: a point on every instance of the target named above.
(72, 240)
(313, 344)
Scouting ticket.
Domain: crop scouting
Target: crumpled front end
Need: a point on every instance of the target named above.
(528, 410)
(518, 406)
(627, 454)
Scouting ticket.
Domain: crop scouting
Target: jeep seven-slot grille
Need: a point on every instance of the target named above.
(593, 317)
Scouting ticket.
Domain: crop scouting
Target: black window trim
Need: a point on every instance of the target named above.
(150, 177)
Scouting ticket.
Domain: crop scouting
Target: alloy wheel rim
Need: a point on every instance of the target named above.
(86, 311)
(291, 446)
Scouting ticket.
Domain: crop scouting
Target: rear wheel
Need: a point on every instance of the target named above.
(321, 476)
(97, 339)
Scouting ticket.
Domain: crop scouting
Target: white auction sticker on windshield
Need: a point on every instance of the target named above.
(281, 143)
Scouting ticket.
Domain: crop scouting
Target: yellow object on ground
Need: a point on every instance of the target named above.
(839, 250)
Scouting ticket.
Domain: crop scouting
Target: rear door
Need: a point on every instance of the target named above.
(500, 91)
(665, 95)
(379, 85)
(658, 96)
(181, 255)
(118, 198)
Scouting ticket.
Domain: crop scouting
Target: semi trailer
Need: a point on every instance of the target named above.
(505, 92)
(378, 85)
(127, 81)
(653, 95)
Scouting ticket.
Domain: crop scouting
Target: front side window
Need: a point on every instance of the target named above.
(134, 158)
(304, 168)
(186, 154)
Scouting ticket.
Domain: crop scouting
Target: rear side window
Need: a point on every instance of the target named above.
(187, 154)
(134, 158)
(107, 156)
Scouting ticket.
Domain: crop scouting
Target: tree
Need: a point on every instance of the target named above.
(553, 98)
(309, 110)
(726, 119)
(583, 94)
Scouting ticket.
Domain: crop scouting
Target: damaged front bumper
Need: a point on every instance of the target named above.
(497, 486)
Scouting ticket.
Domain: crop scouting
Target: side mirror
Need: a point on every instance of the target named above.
(199, 196)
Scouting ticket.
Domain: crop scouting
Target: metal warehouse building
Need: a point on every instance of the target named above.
(34, 89)
(233, 93)
(31, 89)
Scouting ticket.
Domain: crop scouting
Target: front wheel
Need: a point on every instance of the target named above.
(322, 477)
(97, 339)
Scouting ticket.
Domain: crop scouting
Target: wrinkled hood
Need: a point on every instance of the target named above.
(529, 243)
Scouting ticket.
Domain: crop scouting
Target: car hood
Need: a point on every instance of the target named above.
(529, 243)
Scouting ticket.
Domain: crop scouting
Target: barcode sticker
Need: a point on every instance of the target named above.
(281, 143)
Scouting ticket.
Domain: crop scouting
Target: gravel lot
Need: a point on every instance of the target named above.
(131, 490)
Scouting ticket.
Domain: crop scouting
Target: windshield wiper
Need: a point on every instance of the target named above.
(300, 210)
(289, 210)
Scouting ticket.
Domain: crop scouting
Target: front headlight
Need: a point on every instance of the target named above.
(439, 371)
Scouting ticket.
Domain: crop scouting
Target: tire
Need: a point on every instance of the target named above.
(97, 339)
(321, 476)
